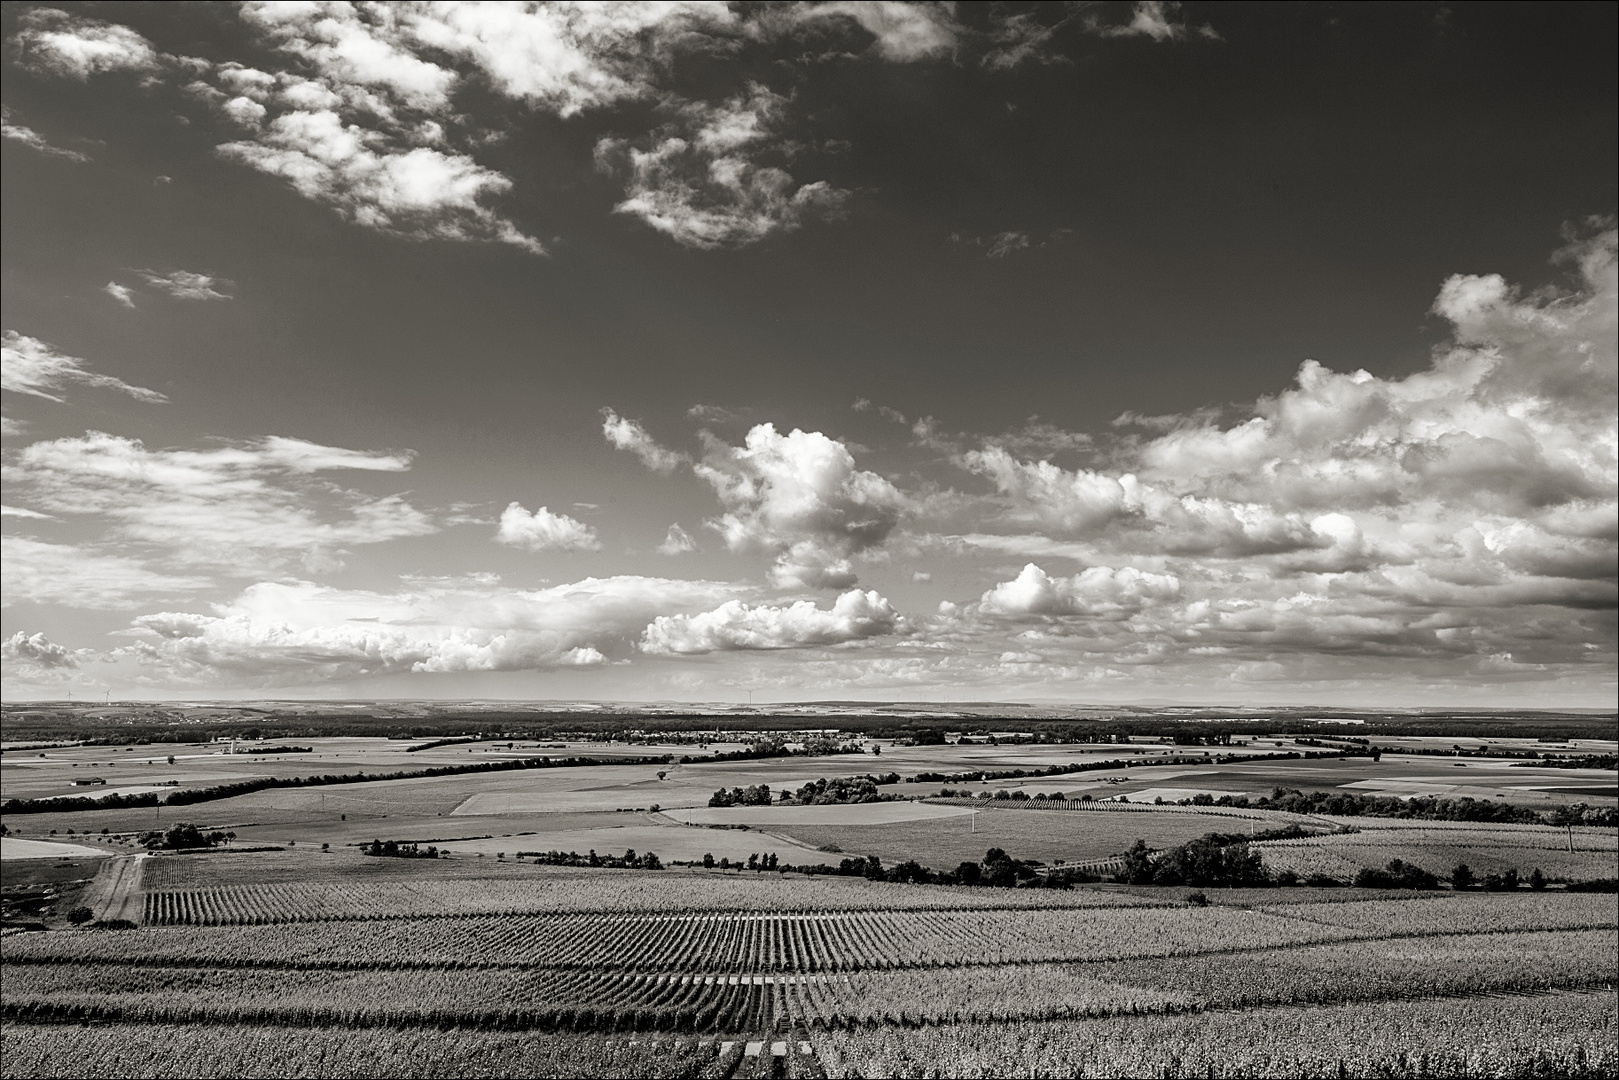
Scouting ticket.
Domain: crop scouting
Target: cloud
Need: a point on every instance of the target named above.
(904, 32)
(39, 572)
(1021, 38)
(799, 496)
(291, 633)
(630, 435)
(33, 139)
(120, 293)
(1097, 590)
(180, 284)
(419, 192)
(1153, 19)
(544, 531)
(36, 650)
(702, 183)
(22, 512)
(854, 616)
(677, 542)
(73, 47)
(34, 367)
(240, 508)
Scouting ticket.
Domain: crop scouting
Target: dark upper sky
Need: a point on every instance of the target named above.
(1152, 208)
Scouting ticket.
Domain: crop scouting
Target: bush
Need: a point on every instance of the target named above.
(1598, 885)
(79, 916)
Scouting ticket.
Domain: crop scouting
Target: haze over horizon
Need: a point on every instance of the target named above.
(823, 351)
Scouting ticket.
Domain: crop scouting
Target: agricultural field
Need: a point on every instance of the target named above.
(1573, 854)
(709, 973)
(286, 949)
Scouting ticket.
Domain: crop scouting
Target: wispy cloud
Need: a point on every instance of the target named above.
(121, 293)
(182, 285)
(241, 508)
(34, 367)
(31, 138)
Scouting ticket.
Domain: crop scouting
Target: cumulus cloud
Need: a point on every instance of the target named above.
(800, 497)
(630, 435)
(73, 47)
(37, 650)
(34, 367)
(1097, 590)
(240, 508)
(29, 137)
(180, 284)
(734, 625)
(544, 531)
(677, 542)
(1347, 524)
(289, 633)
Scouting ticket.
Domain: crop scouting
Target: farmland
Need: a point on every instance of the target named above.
(487, 960)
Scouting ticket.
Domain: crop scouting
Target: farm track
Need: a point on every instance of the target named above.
(116, 891)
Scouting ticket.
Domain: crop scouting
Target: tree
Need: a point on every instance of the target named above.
(1462, 877)
(79, 916)
(968, 873)
(708, 861)
(1537, 880)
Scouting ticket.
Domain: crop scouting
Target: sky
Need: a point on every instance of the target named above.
(1087, 352)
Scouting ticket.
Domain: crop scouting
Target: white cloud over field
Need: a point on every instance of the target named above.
(734, 625)
(300, 632)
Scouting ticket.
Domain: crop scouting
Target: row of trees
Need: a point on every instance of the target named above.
(1422, 807)
(627, 861)
(393, 849)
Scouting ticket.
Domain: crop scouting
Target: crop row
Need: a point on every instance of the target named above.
(591, 1001)
(119, 1050)
(1564, 1034)
(826, 942)
(552, 890)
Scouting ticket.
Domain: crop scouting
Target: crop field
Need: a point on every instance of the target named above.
(886, 989)
(1567, 1033)
(303, 961)
(1077, 836)
(1595, 853)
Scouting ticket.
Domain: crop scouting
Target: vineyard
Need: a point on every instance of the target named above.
(1485, 850)
(549, 972)
(1566, 1034)
(514, 888)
